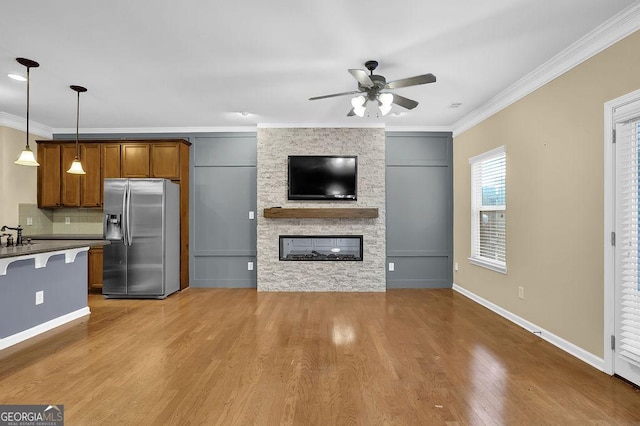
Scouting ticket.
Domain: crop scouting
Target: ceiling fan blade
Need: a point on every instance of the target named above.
(362, 77)
(351, 113)
(335, 94)
(411, 81)
(404, 102)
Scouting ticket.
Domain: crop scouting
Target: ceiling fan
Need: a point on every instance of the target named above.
(371, 86)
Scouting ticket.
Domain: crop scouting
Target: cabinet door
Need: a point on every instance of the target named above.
(70, 183)
(111, 161)
(165, 160)
(91, 183)
(95, 266)
(135, 160)
(49, 175)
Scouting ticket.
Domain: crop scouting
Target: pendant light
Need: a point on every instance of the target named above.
(76, 165)
(26, 157)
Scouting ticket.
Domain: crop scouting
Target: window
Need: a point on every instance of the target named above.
(489, 210)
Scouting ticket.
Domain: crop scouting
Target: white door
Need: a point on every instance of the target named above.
(626, 347)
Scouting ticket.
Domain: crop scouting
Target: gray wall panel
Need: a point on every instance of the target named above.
(223, 192)
(237, 149)
(224, 197)
(224, 271)
(419, 149)
(420, 224)
(419, 210)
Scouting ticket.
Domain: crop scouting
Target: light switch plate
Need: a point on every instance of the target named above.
(249, 266)
(29, 221)
(392, 266)
(252, 215)
(39, 297)
(67, 220)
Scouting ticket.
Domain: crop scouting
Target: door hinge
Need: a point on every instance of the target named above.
(614, 135)
(613, 342)
(613, 239)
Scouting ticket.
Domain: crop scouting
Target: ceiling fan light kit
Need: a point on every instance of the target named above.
(371, 86)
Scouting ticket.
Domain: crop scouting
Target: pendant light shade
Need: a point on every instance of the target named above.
(76, 165)
(26, 157)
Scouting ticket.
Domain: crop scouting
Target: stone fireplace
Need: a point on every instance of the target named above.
(329, 274)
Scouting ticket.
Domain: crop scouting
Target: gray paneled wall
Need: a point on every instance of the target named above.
(223, 193)
(419, 210)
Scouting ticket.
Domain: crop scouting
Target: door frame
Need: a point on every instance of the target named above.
(609, 224)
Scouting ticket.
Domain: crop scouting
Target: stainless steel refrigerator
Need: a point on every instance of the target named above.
(142, 223)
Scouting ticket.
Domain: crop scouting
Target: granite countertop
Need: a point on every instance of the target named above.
(44, 246)
(63, 237)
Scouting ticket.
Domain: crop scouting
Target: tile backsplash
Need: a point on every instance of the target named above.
(59, 221)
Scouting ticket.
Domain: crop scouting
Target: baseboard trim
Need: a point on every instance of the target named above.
(555, 340)
(14, 339)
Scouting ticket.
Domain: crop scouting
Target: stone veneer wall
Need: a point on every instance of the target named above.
(274, 145)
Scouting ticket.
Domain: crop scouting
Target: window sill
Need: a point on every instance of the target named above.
(489, 265)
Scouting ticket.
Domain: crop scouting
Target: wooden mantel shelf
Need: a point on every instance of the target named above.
(320, 213)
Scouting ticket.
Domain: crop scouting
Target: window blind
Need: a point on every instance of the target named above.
(489, 212)
(628, 300)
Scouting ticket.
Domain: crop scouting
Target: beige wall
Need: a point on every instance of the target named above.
(555, 198)
(18, 184)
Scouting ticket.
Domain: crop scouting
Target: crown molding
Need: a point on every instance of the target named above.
(319, 125)
(610, 32)
(19, 123)
(434, 129)
(137, 130)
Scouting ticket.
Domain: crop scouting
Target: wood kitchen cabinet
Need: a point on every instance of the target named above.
(95, 261)
(91, 183)
(49, 175)
(134, 160)
(111, 160)
(164, 158)
(81, 190)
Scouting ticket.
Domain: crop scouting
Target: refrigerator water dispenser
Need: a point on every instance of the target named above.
(113, 227)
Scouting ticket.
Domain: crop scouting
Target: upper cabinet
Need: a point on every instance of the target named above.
(49, 175)
(165, 160)
(104, 159)
(111, 160)
(135, 160)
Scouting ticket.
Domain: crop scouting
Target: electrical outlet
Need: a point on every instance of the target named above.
(39, 297)
(252, 215)
(67, 220)
(521, 292)
(455, 266)
(29, 221)
(249, 266)
(392, 266)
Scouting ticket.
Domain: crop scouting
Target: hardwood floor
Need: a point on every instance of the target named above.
(235, 356)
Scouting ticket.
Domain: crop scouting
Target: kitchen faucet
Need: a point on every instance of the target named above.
(18, 230)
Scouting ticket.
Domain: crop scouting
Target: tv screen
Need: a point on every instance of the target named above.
(322, 177)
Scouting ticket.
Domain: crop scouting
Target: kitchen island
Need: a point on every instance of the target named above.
(42, 286)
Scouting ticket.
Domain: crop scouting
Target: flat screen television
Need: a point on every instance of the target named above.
(323, 177)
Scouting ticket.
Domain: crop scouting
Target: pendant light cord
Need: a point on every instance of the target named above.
(28, 80)
(77, 124)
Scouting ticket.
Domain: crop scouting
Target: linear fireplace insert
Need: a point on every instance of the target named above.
(321, 247)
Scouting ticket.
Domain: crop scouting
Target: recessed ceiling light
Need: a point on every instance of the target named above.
(455, 105)
(17, 77)
(244, 113)
(397, 113)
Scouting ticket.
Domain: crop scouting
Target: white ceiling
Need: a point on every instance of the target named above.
(191, 64)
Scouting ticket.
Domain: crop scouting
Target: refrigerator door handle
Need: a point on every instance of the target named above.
(125, 222)
(129, 237)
